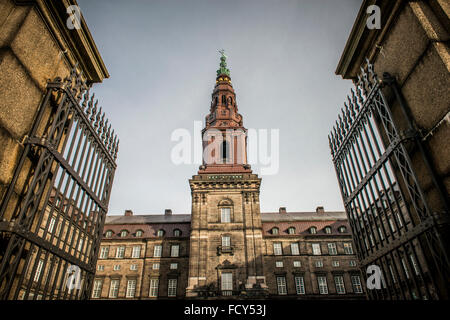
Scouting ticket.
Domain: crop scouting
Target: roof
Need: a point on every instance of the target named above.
(265, 217)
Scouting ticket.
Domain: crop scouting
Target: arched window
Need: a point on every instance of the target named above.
(230, 99)
(160, 233)
(109, 234)
(139, 233)
(123, 233)
(224, 151)
(342, 229)
(313, 230)
(275, 230)
(291, 230)
(176, 232)
(225, 210)
(224, 100)
(327, 230)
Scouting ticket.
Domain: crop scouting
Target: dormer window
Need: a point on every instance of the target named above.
(176, 232)
(342, 229)
(275, 230)
(123, 233)
(327, 230)
(313, 230)
(291, 230)
(160, 233)
(139, 233)
(108, 234)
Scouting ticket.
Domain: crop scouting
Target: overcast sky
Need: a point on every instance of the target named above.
(162, 56)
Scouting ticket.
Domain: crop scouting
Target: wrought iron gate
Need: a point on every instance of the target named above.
(52, 215)
(393, 226)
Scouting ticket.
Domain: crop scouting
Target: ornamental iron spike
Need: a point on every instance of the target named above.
(94, 112)
(85, 99)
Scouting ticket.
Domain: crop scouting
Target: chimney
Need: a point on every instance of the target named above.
(320, 210)
(282, 210)
(168, 212)
(128, 213)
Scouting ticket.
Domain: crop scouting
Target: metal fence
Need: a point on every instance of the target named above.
(52, 214)
(392, 224)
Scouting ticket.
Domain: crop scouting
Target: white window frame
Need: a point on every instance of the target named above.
(104, 252)
(172, 287)
(297, 264)
(335, 263)
(299, 285)
(291, 230)
(316, 249)
(332, 250)
(281, 285)
(97, 290)
(340, 286)
(133, 267)
(173, 266)
(123, 233)
(295, 250)
(277, 249)
(139, 233)
(226, 241)
(225, 215)
(356, 284)
(319, 264)
(154, 286)
(114, 288)
(116, 267)
(51, 226)
(279, 264)
(101, 267)
(155, 266)
(322, 284)
(226, 281)
(120, 252)
(175, 250)
(157, 251)
(136, 252)
(37, 275)
(131, 288)
(348, 248)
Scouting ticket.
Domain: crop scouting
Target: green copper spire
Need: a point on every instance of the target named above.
(223, 64)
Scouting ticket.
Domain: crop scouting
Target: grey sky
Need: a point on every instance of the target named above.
(162, 57)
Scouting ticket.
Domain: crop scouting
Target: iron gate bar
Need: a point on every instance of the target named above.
(82, 217)
(389, 229)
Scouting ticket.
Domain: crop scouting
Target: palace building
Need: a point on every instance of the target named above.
(226, 248)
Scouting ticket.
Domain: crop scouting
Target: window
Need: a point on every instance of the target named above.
(227, 281)
(394, 280)
(391, 225)
(51, 225)
(175, 250)
(104, 251)
(176, 232)
(224, 100)
(275, 230)
(332, 248)
(348, 248)
(97, 291)
(339, 282)
(316, 249)
(131, 288)
(323, 287)
(319, 264)
(342, 229)
(109, 234)
(226, 241)
(294, 249)
(281, 285)
(327, 230)
(100, 267)
(297, 264)
(356, 283)
(335, 263)
(225, 215)
(400, 224)
(139, 233)
(224, 150)
(133, 267)
(116, 267)
(277, 249)
(405, 268)
(157, 250)
(160, 233)
(153, 288)
(352, 263)
(114, 289)
(136, 252)
(414, 264)
(313, 230)
(380, 233)
(299, 285)
(37, 275)
(174, 266)
(279, 264)
(172, 288)
(120, 252)
(155, 266)
(80, 244)
(291, 230)
(123, 233)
